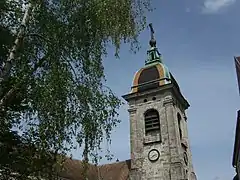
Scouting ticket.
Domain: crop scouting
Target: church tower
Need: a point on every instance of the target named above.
(160, 147)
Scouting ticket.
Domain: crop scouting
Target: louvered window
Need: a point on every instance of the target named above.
(152, 122)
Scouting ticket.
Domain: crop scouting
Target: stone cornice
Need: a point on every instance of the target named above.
(168, 101)
(172, 87)
(132, 110)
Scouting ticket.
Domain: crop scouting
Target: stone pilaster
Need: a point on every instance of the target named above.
(168, 103)
(133, 135)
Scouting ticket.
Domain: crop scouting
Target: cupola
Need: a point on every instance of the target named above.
(154, 73)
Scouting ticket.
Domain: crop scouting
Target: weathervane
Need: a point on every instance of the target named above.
(152, 42)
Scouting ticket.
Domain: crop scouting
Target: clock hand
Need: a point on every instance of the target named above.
(153, 155)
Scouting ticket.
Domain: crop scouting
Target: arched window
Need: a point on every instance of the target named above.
(179, 125)
(152, 122)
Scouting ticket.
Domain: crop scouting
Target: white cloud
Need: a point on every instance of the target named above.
(214, 6)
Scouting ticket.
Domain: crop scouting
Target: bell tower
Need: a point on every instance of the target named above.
(158, 124)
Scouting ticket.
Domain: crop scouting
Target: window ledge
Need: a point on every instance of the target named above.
(152, 138)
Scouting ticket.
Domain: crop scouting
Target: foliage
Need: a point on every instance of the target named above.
(20, 159)
(55, 92)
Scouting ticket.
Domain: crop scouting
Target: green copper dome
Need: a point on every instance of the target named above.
(153, 56)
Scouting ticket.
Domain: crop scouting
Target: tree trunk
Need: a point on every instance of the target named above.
(12, 91)
(12, 56)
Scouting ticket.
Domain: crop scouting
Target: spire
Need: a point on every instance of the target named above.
(152, 42)
(153, 53)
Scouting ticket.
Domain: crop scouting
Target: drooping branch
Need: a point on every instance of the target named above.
(13, 90)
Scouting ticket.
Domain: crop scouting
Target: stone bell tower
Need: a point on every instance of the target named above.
(158, 124)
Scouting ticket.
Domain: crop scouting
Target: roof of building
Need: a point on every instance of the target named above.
(154, 76)
(73, 170)
(237, 65)
(151, 76)
(237, 141)
(155, 73)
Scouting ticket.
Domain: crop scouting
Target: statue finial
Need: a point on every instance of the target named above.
(152, 42)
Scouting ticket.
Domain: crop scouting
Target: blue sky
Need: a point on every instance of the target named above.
(198, 40)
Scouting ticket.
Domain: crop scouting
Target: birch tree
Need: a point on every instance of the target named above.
(52, 84)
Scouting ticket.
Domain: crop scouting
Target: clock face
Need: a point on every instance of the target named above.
(153, 155)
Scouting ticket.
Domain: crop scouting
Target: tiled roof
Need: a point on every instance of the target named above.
(236, 143)
(73, 170)
(237, 65)
(116, 171)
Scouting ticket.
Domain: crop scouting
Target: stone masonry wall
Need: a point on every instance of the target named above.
(170, 165)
